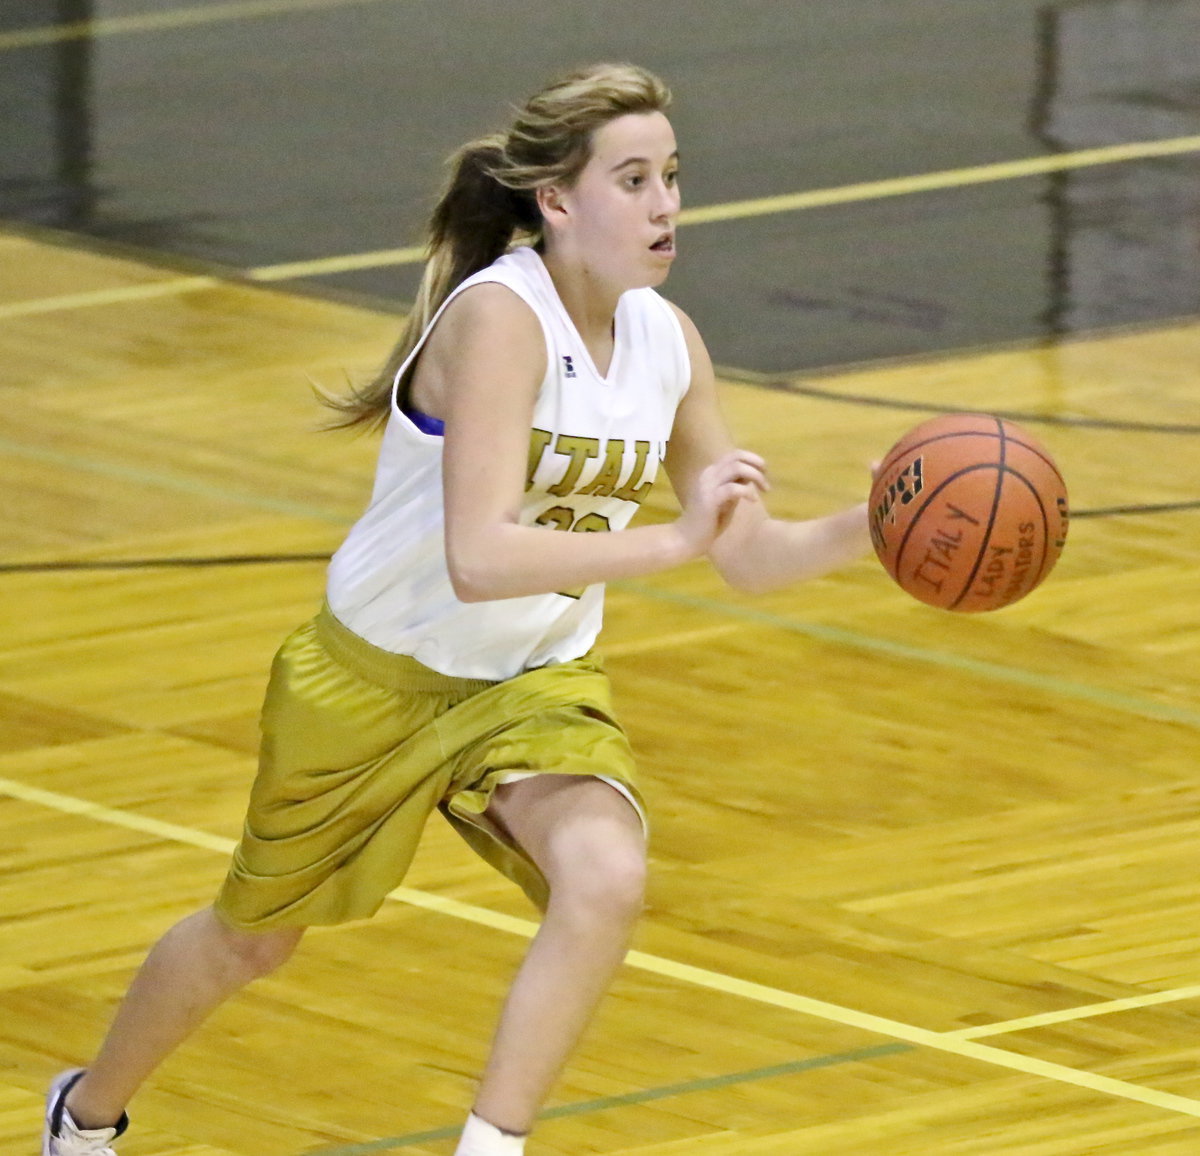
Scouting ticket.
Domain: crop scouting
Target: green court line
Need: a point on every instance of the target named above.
(158, 21)
(993, 671)
(647, 1095)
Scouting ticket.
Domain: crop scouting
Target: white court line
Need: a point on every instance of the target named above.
(955, 1043)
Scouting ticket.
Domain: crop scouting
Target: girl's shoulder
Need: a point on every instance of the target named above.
(481, 320)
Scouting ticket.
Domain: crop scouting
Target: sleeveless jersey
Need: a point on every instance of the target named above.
(595, 448)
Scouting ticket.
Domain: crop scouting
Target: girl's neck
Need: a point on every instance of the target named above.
(591, 305)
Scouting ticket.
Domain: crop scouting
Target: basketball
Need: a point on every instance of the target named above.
(968, 512)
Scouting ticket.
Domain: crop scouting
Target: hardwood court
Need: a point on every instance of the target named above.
(921, 883)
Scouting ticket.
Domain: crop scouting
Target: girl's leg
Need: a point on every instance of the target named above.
(588, 841)
(194, 968)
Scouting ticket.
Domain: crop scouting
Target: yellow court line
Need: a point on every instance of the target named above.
(325, 266)
(1087, 1011)
(816, 198)
(953, 1043)
(948, 179)
(922, 1037)
(705, 214)
(69, 805)
(173, 286)
(117, 296)
(174, 18)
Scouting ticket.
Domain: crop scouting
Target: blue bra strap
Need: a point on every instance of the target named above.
(425, 423)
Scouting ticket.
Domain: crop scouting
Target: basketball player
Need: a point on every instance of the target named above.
(525, 409)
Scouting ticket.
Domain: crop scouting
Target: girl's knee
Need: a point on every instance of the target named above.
(608, 881)
(587, 840)
(624, 888)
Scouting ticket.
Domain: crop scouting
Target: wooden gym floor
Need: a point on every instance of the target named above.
(921, 883)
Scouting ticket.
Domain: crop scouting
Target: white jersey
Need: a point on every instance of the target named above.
(595, 448)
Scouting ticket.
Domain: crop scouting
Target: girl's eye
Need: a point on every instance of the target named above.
(672, 177)
(635, 181)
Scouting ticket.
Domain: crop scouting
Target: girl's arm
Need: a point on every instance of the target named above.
(486, 359)
(754, 552)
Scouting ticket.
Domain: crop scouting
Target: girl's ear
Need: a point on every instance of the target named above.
(550, 200)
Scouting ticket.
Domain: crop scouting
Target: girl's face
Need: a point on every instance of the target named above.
(618, 218)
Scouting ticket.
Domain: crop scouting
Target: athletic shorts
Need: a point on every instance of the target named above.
(359, 746)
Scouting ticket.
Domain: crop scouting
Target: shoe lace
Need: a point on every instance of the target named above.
(78, 1146)
(81, 1144)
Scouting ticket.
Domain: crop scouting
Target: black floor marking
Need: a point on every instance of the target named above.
(1118, 511)
(65, 567)
(155, 563)
(1064, 420)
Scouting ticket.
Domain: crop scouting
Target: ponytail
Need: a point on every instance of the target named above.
(489, 202)
(473, 224)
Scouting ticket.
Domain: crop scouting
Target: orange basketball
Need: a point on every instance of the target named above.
(968, 512)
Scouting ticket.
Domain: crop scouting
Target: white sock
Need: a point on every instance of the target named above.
(479, 1138)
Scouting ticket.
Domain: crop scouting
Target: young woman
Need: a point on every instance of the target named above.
(537, 387)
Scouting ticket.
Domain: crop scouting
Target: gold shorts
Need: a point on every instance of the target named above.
(360, 745)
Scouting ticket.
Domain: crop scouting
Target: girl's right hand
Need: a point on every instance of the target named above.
(738, 476)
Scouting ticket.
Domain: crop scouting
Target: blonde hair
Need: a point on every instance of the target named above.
(489, 202)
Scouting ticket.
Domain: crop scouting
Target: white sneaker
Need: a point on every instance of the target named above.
(62, 1136)
(479, 1138)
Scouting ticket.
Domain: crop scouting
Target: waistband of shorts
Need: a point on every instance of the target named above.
(382, 667)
